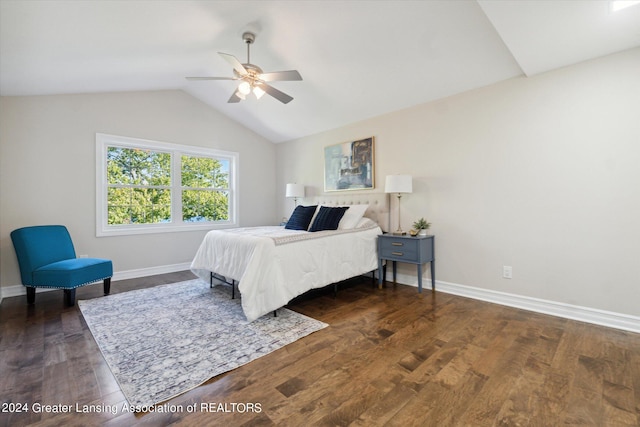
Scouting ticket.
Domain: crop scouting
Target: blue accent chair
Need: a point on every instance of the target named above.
(47, 259)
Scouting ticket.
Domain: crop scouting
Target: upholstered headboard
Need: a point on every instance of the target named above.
(378, 209)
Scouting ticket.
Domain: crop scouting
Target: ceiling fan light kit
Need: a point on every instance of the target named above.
(253, 78)
(244, 88)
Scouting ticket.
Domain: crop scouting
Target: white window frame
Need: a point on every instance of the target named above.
(103, 141)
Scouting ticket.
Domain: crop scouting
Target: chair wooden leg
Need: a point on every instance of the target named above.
(31, 295)
(70, 297)
(107, 285)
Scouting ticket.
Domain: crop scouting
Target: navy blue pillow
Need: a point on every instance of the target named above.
(328, 218)
(301, 217)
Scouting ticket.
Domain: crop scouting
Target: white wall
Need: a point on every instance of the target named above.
(541, 173)
(47, 169)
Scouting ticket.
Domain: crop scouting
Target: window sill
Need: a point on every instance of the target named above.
(161, 228)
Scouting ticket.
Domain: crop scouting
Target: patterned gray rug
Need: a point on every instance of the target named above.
(163, 341)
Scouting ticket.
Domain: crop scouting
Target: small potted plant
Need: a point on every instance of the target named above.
(421, 226)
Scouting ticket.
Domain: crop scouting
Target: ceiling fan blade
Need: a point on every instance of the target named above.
(211, 78)
(281, 76)
(280, 96)
(234, 63)
(234, 98)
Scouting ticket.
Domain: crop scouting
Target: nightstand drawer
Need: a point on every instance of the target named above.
(399, 248)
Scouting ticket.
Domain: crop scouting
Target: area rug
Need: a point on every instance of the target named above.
(163, 341)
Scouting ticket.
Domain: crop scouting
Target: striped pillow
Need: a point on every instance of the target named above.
(301, 217)
(328, 218)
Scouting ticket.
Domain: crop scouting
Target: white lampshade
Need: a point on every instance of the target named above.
(295, 190)
(398, 184)
(258, 92)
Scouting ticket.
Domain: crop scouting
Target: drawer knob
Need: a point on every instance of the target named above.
(397, 253)
(397, 244)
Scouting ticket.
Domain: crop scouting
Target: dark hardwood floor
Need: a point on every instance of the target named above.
(389, 357)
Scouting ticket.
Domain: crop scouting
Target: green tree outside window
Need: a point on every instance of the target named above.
(139, 187)
(205, 189)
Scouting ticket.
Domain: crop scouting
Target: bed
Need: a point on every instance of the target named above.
(273, 265)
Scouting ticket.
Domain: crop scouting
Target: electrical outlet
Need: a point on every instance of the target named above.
(507, 271)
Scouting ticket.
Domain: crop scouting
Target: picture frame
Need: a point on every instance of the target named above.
(349, 165)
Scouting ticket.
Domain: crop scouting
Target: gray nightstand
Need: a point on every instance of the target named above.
(414, 250)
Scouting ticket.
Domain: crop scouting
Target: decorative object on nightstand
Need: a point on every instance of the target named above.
(398, 184)
(295, 191)
(414, 250)
(421, 226)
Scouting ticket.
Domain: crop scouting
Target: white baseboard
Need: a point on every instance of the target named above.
(151, 271)
(583, 314)
(17, 290)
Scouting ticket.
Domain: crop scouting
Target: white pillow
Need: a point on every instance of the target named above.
(352, 216)
(365, 222)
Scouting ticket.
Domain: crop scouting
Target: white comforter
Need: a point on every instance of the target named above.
(274, 265)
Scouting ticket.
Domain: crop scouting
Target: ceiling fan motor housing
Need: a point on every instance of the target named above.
(253, 73)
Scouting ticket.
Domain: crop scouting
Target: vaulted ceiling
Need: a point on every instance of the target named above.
(358, 59)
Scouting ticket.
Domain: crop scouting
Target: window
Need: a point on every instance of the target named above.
(149, 187)
(205, 189)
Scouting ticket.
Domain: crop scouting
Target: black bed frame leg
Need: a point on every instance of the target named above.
(226, 281)
(275, 313)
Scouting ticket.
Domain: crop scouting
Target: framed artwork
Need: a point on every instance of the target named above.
(349, 166)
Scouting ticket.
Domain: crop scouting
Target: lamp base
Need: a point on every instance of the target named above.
(399, 233)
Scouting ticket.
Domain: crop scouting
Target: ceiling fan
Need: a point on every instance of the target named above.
(252, 78)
